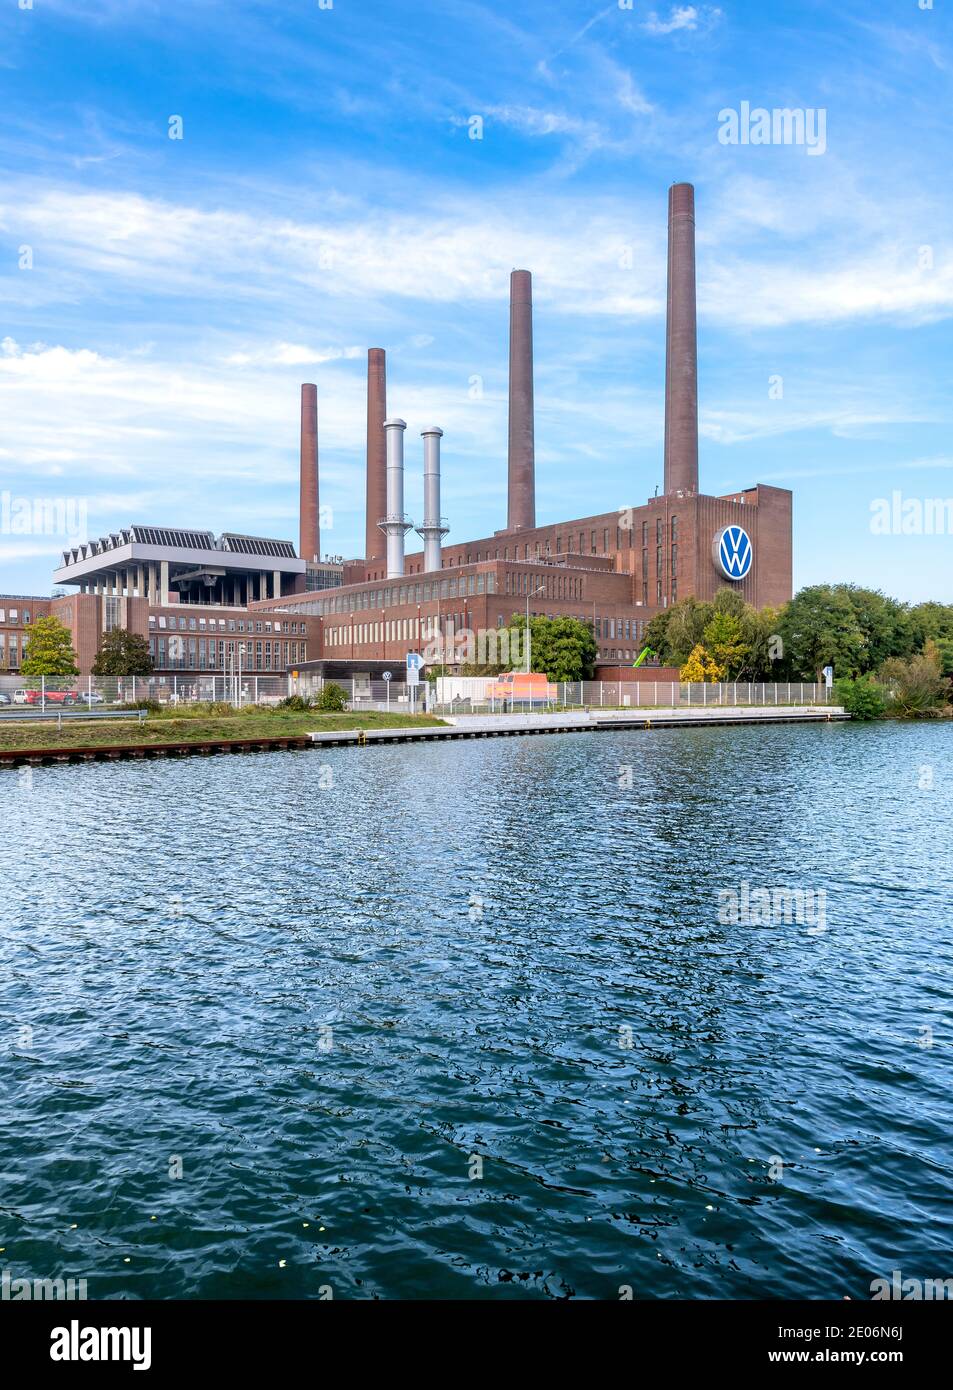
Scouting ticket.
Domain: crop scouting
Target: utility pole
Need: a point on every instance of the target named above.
(527, 638)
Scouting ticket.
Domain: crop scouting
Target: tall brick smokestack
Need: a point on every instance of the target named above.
(309, 547)
(681, 346)
(521, 504)
(374, 545)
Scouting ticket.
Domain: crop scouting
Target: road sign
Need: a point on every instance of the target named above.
(414, 663)
(828, 676)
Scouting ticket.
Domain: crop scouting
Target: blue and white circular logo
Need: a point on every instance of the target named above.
(732, 552)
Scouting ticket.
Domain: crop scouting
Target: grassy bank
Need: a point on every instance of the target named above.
(257, 723)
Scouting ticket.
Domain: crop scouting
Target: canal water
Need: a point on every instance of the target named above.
(503, 1018)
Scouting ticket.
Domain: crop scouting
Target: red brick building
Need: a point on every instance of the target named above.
(198, 598)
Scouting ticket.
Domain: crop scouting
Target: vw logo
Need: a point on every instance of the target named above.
(732, 552)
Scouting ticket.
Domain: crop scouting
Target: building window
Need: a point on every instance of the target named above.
(674, 529)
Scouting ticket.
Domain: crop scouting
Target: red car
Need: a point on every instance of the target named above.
(53, 697)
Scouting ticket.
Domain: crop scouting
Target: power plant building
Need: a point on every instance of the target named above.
(615, 569)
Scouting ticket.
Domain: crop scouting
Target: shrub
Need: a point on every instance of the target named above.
(332, 697)
(294, 702)
(916, 687)
(151, 706)
(862, 697)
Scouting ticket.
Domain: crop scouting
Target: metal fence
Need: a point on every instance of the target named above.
(472, 694)
(100, 692)
(448, 695)
(453, 696)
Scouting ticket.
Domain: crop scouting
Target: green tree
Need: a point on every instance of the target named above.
(679, 629)
(724, 642)
(944, 651)
(730, 601)
(933, 622)
(819, 627)
(49, 651)
(123, 653)
(886, 625)
(564, 648)
(760, 632)
(656, 633)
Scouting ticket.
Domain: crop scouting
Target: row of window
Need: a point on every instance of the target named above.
(10, 650)
(557, 584)
(201, 654)
(229, 625)
(576, 542)
(415, 629)
(623, 629)
(16, 616)
(399, 594)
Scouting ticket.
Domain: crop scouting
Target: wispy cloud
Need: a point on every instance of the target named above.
(682, 18)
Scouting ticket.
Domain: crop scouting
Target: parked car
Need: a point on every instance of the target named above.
(53, 697)
(5, 698)
(91, 697)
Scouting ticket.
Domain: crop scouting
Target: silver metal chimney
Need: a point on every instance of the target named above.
(395, 525)
(435, 526)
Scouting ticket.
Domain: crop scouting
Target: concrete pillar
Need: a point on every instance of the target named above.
(164, 583)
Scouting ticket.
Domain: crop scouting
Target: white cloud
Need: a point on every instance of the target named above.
(682, 18)
(292, 355)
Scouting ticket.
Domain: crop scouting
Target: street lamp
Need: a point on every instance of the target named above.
(528, 597)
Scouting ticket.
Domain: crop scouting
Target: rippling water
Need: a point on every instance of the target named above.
(327, 987)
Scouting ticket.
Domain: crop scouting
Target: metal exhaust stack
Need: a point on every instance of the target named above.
(681, 347)
(376, 454)
(309, 547)
(395, 525)
(435, 526)
(521, 503)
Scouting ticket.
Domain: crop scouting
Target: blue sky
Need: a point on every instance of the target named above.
(327, 196)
